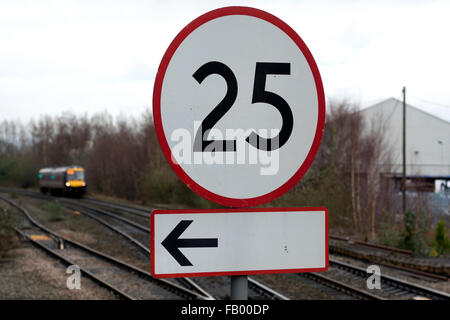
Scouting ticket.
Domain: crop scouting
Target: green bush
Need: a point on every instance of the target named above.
(413, 238)
(54, 210)
(162, 186)
(6, 166)
(20, 172)
(13, 195)
(321, 187)
(25, 172)
(441, 243)
(388, 235)
(156, 186)
(8, 219)
(408, 241)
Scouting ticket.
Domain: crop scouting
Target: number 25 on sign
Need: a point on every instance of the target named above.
(238, 91)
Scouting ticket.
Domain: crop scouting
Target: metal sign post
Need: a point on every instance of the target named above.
(239, 287)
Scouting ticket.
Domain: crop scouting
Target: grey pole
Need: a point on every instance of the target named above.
(404, 153)
(239, 288)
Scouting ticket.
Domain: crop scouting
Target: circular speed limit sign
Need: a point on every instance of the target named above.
(238, 106)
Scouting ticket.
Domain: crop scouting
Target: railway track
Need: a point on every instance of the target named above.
(340, 286)
(372, 245)
(340, 275)
(264, 290)
(392, 288)
(412, 272)
(259, 288)
(127, 229)
(125, 280)
(141, 212)
(139, 235)
(393, 258)
(135, 233)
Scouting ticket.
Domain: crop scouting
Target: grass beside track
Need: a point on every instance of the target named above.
(8, 220)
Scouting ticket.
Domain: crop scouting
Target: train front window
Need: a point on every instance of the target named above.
(75, 175)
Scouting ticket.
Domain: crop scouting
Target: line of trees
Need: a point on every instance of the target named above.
(347, 174)
(122, 158)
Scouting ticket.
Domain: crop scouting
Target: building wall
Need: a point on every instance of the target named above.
(427, 138)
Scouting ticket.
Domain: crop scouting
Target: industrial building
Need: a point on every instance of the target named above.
(427, 144)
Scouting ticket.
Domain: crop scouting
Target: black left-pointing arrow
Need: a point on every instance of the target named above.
(172, 243)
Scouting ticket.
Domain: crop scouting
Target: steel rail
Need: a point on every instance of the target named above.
(115, 205)
(264, 290)
(181, 291)
(393, 282)
(101, 221)
(109, 214)
(340, 286)
(423, 274)
(67, 262)
(390, 249)
(185, 281)
(111, 227)
(414, 270)
(403, 285)
(189, 283)
(253, 284)
(372, 245)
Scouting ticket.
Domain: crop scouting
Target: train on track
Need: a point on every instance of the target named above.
(68, 180)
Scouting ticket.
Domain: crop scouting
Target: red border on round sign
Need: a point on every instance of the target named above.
(242, 272)
(226, 201)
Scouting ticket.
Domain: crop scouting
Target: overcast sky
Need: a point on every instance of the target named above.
(91, 56)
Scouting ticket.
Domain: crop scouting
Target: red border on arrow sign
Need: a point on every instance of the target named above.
(226, 201)
(242, 272)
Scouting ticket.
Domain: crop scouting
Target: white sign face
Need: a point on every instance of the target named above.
(239, 106)
(188, 243)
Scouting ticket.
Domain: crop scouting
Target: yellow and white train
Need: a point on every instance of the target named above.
(62, 180)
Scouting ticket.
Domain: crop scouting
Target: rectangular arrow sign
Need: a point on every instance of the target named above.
(194, 243)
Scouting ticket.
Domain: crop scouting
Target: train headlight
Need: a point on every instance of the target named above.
(67, 184)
